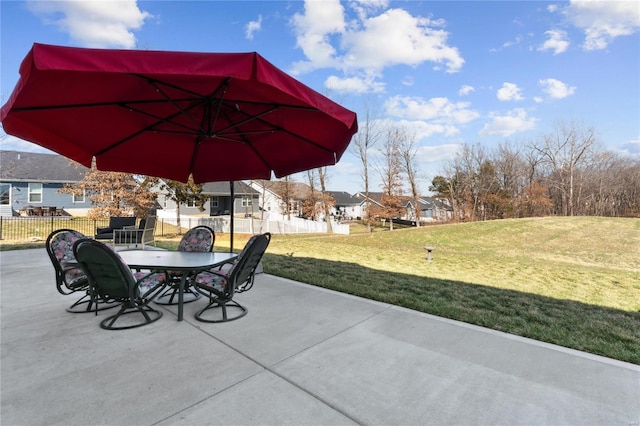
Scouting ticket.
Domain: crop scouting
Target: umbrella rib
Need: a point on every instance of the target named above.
(248, 119)
(165, 119)
(182, 111)
(131, 136)
(280, 129)
(94, 104)
(206, 99)
(154, 81)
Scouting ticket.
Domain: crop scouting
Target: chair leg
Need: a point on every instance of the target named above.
(167, 297)
(149, 314)
(86, 304)
(222, 305)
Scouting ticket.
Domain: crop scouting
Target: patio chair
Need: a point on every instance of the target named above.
(111, 279)
(144, 234)
(220, 286)
(200, 238)
(70, 278)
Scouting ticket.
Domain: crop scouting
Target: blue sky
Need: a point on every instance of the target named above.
(452, 72)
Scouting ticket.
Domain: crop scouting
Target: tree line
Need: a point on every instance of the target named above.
(562, 173)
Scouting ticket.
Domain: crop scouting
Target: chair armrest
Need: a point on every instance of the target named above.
(103, 230)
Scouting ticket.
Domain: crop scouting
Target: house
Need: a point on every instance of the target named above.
(346, 206)
(246, 200)
(373, 200)
(273, 192)
(29, 184)
(431, 209)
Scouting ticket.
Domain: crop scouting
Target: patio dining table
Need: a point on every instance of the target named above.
(190, 263)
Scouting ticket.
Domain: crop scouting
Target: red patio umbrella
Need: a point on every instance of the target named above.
(216, 116)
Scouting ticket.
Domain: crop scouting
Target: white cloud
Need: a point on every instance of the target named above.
(603, 21)
(439, 110)
(513, 42)
(516, 41)
(396, 37)
(408, 80)
(252, 27)
(436, 154)
(465, 90)
(631, 148)
(557, 42)
(354, 85)
(370, 42)
(512, 122)
(313, 30)
(556, 89)
(94, 23)
(509, 92)
(363, 8)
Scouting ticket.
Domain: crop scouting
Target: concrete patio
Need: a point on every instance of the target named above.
(303, 355)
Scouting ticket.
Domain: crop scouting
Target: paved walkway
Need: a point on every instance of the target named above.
(302, 355)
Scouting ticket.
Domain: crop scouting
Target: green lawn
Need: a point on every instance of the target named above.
(574, 282)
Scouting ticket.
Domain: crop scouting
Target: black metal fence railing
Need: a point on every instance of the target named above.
(39, 228)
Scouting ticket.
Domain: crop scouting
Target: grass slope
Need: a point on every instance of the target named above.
(569, 281)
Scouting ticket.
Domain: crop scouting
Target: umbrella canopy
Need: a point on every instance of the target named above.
(216, 116)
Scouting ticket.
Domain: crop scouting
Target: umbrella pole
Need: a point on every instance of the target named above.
(231, 220)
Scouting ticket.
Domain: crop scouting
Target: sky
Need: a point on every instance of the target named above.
(450, 72)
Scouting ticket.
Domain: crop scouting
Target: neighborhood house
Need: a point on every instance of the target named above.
(30, 184)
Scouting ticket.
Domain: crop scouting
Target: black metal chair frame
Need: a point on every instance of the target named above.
(238, 279)
(110, 279)
(85, 303)
(171, 293)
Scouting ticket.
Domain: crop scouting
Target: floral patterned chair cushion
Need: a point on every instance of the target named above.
(148, 281)
(60, 246)
(200, 238)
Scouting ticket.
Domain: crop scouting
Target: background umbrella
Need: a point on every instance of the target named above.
(215, 116)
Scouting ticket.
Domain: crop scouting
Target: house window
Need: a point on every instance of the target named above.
(5, 194)
(191, 202)
(246, 202)
(214, 201)
(78, 198)
(35, 193)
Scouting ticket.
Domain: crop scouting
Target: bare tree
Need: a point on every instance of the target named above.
(563, 173)
(286, 196)
(511, 170)
(311, 201)
(327, 200)
(391, 174)
(369, 133)
(408, 150)
(565, 152)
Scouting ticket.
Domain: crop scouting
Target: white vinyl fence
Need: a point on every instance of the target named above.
(221, 224)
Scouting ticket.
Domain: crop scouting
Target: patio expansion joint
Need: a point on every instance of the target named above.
(271, 369)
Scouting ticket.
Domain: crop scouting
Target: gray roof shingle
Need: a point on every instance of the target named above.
(20, 166)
